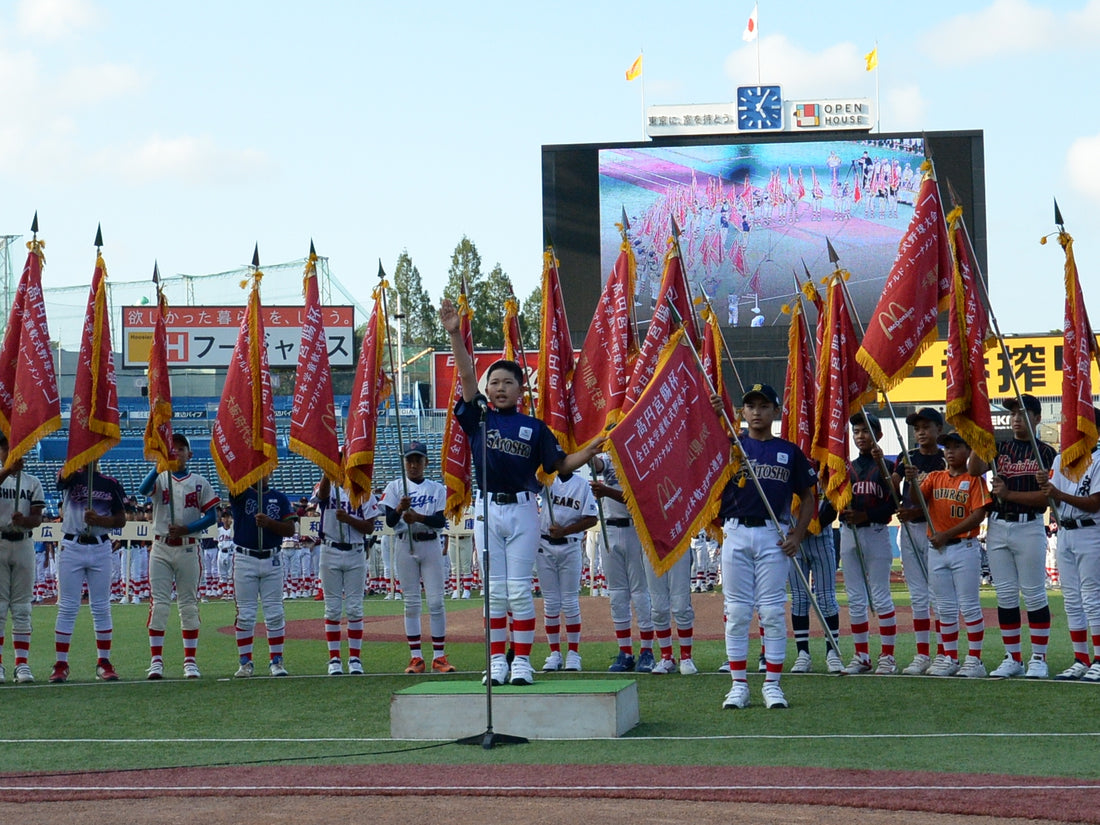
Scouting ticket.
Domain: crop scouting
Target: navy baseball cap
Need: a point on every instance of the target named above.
(925, 414)
(1031, 404)
(764, 391)
(951, 438)
(416, 448)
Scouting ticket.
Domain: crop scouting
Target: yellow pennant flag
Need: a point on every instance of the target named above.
(635, 69)
(872, 59)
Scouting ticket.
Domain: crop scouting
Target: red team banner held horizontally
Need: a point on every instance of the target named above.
(671, 452)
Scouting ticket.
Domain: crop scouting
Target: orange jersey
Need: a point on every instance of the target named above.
(951, 499)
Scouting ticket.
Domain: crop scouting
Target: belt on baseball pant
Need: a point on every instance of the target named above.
(509, 498)
(174, 541)
(1016, 516)
(346, 546)
(1074, 523)
(753, 521)
(80, 538)
(256, 554)
(427, 536)
(618, 522)
(870, 524)
(550, 540)
(15, 535)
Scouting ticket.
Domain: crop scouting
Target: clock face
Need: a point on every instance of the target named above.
(759, 107)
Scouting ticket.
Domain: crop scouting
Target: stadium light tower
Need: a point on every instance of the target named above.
(7, 274)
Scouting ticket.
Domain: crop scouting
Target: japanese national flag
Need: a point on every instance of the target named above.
(751, 27)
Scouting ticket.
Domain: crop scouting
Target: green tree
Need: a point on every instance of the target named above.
(486, 294)
(530, 318)
(422, 327)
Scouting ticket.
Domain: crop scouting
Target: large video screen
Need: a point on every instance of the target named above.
(753, 214)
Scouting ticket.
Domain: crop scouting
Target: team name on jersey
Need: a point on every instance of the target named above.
(189, 499)
(566, 501)
(867, 488)
(8, 493)
(511, 446)
(951, 494)
(1024, 467)
(771, 472)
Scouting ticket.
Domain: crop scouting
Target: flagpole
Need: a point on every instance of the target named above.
(878, 100)
(91, 464)
(259, 481)
(642, 53)
(835, 259)
(748, 466)
(160, 311)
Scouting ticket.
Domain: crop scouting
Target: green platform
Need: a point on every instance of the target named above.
(548, 709)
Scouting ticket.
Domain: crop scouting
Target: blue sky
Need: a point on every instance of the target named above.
(192, 131)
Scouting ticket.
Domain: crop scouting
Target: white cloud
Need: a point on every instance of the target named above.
(190, 160)
(903, 108)
(1011, 28)
(1083, 166)
(802, 73)
(86, 85)
(55, 19)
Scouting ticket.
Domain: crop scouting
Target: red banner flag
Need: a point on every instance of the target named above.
(606, 360)
(1078, 423)
(712, 360)
(904, 323)
(93, 422)
(555, 374)
(842, 388)
(313, 409)
(158, 429)
(456, 463)
(672, 455)
(242, 441)
(968, 337)
(797, 423)
(372, 387)
(674, 292)
(30, 405)
(513, 340)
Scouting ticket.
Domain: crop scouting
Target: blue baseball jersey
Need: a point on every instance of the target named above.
(517, 445)
(783, 470)
(245, 532)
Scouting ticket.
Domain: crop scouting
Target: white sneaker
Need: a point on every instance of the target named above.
(738, 697)
(465, 594)
(457, 594)
(155, 671)
(972, 668)
(724, 667)
(942, 665)
(522, 672)
(498, 671)
(397, 597)
(572, 661)
(833, 662)
(858, 665)
(3, 675)
(1073, 672)
(1037, 668)
(191, 671)
(773, 695)
(664, 666)
(1093, 673)
(887, 666)
(335, 667)
(919, 666)
(1008, 668)
(355, 666)
(388, 597)
(688, 668)
(23, 674)
(276, 667)
(553, 662)
(244, 671)
(802, 663)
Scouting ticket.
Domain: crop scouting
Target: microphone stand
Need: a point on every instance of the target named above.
(488, 738)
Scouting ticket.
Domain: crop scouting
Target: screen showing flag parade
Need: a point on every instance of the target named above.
(642, 455)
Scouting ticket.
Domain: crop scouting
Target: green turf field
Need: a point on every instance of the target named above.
(1017, 726)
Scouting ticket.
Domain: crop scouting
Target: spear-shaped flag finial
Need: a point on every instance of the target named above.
(156, 274)
(256, 256)
(833, 257)
(312, 251)
(98, 236)
(626, 223)
(34, 223)
(806, 269)
(675, 229)
(381, 271)
(1058, 217)
(547, 241)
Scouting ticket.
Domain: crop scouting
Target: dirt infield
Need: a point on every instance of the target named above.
(551, 794)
